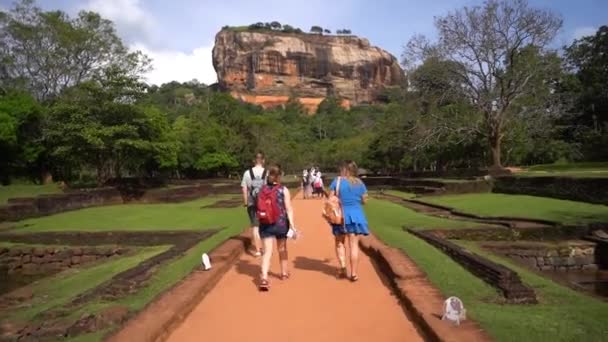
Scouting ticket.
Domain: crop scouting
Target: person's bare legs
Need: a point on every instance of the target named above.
(257, 241)
(341, 253)
(282, 248)
(266, 256)
(353, 241)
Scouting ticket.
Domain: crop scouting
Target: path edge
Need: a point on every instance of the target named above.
(422, 300)
(165, 313)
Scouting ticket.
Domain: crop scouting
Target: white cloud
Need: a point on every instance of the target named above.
(178, 66)
(583, 31)
(132, 21)
(136, 25)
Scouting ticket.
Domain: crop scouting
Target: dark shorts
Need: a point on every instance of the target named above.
(253, 218)
(268, 231)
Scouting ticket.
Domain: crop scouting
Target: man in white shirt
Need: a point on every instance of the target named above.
(253, 180)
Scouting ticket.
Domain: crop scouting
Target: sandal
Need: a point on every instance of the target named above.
(342, 273)
(264, 285)
(285, 276)
(354, 278)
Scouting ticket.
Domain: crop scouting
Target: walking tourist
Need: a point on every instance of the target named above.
(352, 194)
(253, 180)
(276, 218)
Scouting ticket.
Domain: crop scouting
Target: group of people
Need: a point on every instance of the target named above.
(348, 187)
(312, 183)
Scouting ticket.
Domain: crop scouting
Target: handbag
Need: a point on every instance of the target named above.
(332, 208)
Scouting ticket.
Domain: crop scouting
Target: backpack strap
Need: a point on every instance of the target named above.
(251, 175)
(264, 174)
(338, 186)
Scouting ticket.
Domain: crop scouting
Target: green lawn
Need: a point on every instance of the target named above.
(187, 215)
(600, 166)
(26, 190)
(563, 315)
(400, 194)
(411, 219)
(57, 290)
(564, 211)
(172, 216)
(568, 170)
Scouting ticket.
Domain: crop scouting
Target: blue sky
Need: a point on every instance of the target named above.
(179, 34)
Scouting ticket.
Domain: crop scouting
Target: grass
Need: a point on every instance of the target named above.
(173, 271)
(599, 169)
(26, 190)
(412, 219)
(400, 194)
(563, 314)
(600, 166)
(133, 217)
(522, 206)
(57, 290)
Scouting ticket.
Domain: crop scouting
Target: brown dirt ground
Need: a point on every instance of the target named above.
(311, 306)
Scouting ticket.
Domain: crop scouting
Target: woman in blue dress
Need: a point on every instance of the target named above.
(353, 194)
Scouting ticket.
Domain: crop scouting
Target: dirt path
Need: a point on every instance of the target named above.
(311, 306)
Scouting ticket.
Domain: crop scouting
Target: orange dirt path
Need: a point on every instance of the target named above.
(313, 305)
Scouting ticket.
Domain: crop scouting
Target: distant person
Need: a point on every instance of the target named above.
(352, 194)
(309, 181)
(253, 180)
(282, 222)
(318, 185)
(304, 182)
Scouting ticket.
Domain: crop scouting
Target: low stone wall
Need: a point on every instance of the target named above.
(592, 190)
(20, 208)
(569, 256)
(499, 276)
(428, 186)
(42, 260)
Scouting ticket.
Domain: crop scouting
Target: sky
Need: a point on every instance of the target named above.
(178, 34)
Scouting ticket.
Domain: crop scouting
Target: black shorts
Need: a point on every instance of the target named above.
(272, 230)
(253, 218)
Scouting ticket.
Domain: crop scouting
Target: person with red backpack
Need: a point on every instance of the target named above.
(275, 214)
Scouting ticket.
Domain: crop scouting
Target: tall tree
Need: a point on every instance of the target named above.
(491, 47)
(97, 124)
(47, 52)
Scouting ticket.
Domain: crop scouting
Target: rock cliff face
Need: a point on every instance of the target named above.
(267, 68)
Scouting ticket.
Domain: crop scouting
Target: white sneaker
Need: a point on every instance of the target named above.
(206, 261)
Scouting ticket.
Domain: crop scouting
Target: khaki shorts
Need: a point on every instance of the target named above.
(253, 218)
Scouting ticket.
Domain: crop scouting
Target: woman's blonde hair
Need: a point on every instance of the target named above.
(274, 174)
(351, 170)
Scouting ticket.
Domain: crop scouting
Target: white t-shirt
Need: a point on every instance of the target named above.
(258, 171)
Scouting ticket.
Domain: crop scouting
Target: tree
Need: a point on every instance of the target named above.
(256, 26)
(316, 29)
(327, 31)
(587, 58)
(20, 146)
(275, 25)
(288, 28)
(48, 52)
(493, 49)
(97, 124)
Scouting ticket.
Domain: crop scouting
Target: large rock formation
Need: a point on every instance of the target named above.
(266, 67)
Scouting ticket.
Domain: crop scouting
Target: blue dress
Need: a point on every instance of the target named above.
(351, 195)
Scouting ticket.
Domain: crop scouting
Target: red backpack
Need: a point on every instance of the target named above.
(268, 211)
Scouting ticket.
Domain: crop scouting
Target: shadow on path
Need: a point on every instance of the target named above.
(253, 270)
(308, 264)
